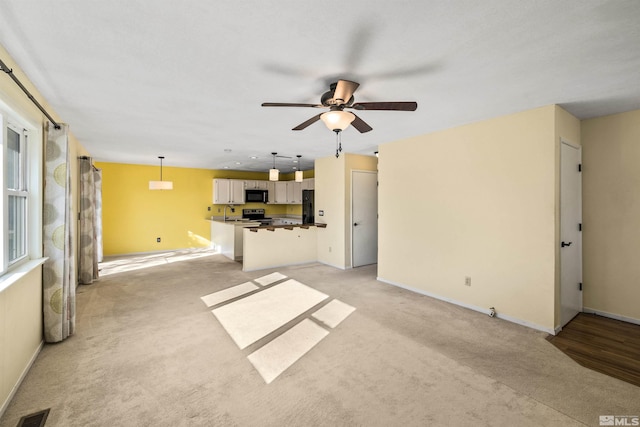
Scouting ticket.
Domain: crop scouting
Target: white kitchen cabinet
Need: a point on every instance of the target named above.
(308, 184)
(256, 185)
(294, 193)
(228, 191)
(237, 191)
(280, 193)
(271, 188)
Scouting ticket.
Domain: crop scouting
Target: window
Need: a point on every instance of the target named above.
(15, 193)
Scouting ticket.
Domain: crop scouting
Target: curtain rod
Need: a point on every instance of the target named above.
(9, 71)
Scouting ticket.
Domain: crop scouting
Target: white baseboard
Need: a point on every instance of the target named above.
(24, 373)
(611, 315)
(339, 267)
(471, 307)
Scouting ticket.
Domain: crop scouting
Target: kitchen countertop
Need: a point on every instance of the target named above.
(236, 222)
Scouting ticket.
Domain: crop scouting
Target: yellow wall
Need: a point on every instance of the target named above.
(482, 201)
(134, 216)
(611, 204)
(333, 196)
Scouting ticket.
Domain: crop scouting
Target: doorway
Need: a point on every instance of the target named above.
(364, 218)
(570, 232)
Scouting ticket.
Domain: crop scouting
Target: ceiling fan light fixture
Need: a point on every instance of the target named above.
(337, 120)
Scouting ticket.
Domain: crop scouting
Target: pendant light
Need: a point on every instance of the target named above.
(274, 173)
(299, 174)
(160, 185)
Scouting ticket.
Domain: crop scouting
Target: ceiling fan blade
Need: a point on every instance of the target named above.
(344, 90)
(311, 121)
(360, 125)
(289, 104)
(397, 106)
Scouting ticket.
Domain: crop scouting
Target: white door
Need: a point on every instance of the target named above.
(364, 218)
(570, 232)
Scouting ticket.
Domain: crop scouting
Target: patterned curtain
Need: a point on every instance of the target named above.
(89, 231)
(59, 272)
(97, 179)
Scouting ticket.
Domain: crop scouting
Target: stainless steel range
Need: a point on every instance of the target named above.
(256, 215)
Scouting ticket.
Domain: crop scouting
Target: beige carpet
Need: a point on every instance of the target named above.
(148, 352)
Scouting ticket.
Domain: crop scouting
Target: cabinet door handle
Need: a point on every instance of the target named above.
(563, 244)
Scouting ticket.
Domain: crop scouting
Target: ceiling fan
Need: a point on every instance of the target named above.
(337, 99)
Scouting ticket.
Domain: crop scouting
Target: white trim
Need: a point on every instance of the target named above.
(569, 143)
(471, 307)
(339, 267)
(24, 373)
(611, 315)
(19, 272)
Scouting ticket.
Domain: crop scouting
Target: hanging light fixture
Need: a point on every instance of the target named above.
(299, 175)
(160, 185)
(274, 173)
(337, 120)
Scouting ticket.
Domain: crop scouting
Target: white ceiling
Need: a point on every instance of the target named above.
(185, 79)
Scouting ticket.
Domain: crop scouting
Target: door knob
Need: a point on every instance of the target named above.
(563, 244)
(355, 224)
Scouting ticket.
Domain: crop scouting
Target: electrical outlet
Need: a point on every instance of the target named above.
(467, 281)
(158, 240)
(218, 210)
(209, 208)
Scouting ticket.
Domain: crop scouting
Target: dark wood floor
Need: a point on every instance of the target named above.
(605, 345)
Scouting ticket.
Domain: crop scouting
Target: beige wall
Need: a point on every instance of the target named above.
(611, 203)
(482, 201)
(20, 331)
(333, 196)
(21, 302)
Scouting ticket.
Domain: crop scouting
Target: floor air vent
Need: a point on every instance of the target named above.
(34, 420)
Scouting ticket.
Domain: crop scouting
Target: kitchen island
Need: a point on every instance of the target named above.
(226, 236)
(280, 245)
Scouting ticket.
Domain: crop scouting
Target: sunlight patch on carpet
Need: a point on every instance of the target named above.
(269, 279)
(249, 313)
(274, 358)
(228, 294)
(333, 313)
(257, 315)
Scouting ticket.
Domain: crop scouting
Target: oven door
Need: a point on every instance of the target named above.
(256, 196)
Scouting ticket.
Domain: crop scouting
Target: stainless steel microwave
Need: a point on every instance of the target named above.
(256, 196)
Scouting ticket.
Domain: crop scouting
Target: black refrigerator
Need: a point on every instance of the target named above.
(307, 207)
